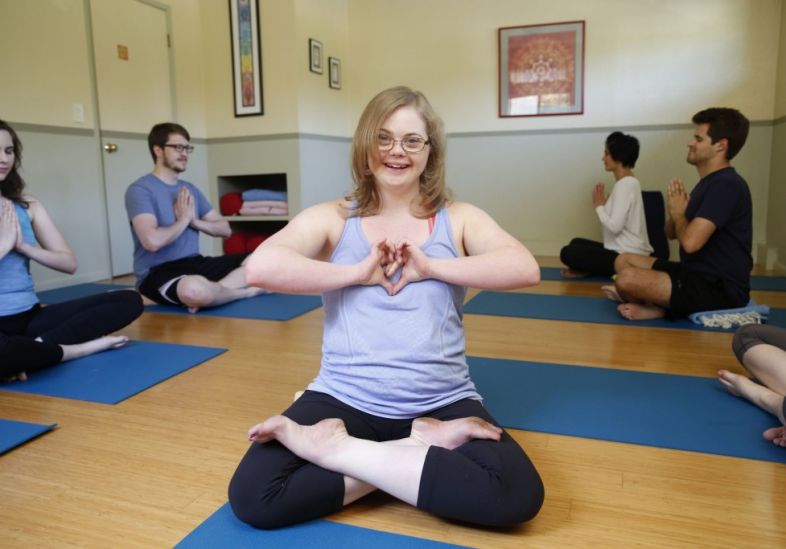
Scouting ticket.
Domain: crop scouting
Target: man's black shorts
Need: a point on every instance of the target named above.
(693, 292)
(212, 268)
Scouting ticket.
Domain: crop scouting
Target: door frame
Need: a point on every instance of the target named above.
(97, 130)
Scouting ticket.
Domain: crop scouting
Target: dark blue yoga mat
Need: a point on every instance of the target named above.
(223, 529)
(668, 411)
(67, 293)
(578, 309)
(261, 307)
(16, 433)
(112, 376)
(758, 282)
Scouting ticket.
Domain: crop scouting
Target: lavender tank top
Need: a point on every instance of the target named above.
(395, 356)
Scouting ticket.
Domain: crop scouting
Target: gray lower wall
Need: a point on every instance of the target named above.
(535, 184)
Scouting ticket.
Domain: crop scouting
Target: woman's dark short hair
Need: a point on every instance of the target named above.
(623, 148)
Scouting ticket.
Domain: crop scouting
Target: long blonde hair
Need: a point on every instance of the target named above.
(433, 190)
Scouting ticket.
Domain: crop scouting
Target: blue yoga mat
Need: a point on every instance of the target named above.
(67, 293)
(16, 433)
(668, 411)
(223, 529)
(758, 282)
(261, 307)
(113, 376)
(597, 310)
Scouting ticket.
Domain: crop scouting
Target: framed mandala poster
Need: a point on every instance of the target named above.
(541, 69)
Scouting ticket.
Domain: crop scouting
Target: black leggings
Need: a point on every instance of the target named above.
(481, 482)
(751, 335)
(66, 323)
(588, 256)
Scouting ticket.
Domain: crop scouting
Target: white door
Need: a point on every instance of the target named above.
(135, 91)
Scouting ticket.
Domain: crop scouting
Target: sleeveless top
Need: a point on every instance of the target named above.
(17, 291)
(395, 356)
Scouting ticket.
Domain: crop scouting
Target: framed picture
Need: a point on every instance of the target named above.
(246, 57)
(334, 73)
(315, 56)
(541, 69)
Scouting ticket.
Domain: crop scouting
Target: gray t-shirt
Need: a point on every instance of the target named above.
(151, 195)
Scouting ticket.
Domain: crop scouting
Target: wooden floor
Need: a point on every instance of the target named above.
(147, 471)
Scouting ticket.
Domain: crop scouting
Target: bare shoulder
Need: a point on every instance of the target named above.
(464, 212)
(35, 206)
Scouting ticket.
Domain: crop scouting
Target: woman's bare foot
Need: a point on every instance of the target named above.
(637, 311)
(21, 376)
(320, 443)
(452, 434)
(610, 291)
(570, 273)
(777, 435)
(105, 343)
(735, 383)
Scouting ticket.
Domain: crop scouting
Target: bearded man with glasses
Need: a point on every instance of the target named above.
(166, 215)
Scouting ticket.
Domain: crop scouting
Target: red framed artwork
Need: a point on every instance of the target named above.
(541, 69)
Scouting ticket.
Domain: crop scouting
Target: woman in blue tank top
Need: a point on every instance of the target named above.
(393, 407)
(34, 337)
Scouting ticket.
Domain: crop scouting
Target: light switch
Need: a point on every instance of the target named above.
(78, 111)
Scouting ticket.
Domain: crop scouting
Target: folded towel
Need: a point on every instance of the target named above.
(265, 204)
(730, 318)
(266, 210)
(264, 194)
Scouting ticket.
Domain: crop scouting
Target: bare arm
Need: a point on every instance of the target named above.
(494, 261)
(213, 224)
(54, 251)
(294, 260)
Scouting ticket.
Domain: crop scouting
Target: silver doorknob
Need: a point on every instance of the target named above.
(110, 147)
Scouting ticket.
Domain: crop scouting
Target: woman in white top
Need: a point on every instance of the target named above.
(621, 214)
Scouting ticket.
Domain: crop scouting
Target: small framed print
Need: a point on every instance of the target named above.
(315, 56)
(334, 73)
(541, 69)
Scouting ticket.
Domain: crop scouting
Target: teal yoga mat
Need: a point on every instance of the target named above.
(67, 293)
(16, 433)
(223, 529)
(758, 282)
(261, 307)
(578, 309)
(113, 376)
(690, 413)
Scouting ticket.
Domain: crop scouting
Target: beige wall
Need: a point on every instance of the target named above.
(646, 62)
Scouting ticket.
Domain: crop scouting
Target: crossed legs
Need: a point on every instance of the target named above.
(300, 468)
(761, 349)
(197, 292)
(644, 293)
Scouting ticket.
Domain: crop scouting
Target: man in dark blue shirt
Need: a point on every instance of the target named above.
(714, 227)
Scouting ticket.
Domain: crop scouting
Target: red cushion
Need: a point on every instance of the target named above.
(255, 240)
(235, 244)
(231, 203)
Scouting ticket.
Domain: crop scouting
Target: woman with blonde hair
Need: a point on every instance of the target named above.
(393, 407)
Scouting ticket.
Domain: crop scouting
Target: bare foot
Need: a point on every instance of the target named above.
(734, 383)
(193, 310)
(610, 291)
(252, 291)
(21, 376)
(570, 273)
(320, 443)
(105, 343)
(636, 311)
(452, 434)
(777, 435)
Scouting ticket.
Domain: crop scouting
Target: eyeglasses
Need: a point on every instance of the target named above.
(181, 148)
(410, 144)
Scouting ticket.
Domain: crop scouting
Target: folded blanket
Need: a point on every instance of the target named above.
(264, 194)
(729, 318)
